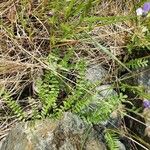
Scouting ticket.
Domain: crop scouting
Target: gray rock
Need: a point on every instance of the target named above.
(96, 73)
(144, 80)
(68, 133)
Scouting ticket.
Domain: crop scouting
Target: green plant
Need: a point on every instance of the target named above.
(12, 104)
(137, 63)
(48, 92)
(105, 108)
(79, 94)
(111, 140)
(52, 84)
(135, 89)
(34, 109)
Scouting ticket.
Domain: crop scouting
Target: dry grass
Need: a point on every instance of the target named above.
(20, 53)
(21, 49)
(114, 36)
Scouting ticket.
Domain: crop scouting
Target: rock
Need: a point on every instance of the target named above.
(144, 80)
(96, 73)
(68, 133)
(94, 145)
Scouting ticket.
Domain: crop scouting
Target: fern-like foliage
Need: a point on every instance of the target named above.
(138, 90)
(104, 108)
(137, 63)
(79, 94)
(12, 104)
(48, 92)
(50, 86)
(34, 109)
(111, 140)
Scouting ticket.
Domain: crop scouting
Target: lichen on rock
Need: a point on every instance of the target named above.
(68, 133)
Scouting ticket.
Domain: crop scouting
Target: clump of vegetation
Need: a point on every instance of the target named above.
(46, 47)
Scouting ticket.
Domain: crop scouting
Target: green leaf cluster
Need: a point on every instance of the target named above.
(137, 63)
(111, 140)
(79, 92)
(12, 104)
